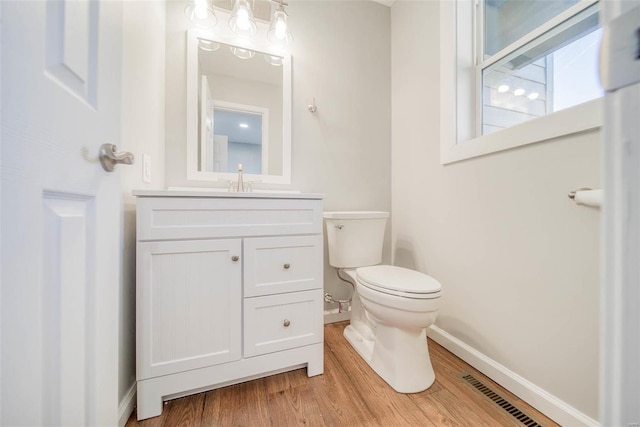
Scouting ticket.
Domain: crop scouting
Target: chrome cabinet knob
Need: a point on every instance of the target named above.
(235, 258)
(287, 266)
(286, 323)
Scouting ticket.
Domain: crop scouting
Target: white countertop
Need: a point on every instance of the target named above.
(224, 194)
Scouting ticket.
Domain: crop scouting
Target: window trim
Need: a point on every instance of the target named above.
(581, 118)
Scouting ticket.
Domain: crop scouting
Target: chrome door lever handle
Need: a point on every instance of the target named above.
(109, 157)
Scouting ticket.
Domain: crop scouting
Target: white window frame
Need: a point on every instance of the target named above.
(460, 106)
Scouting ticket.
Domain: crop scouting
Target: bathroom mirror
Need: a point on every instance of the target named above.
(238, 110)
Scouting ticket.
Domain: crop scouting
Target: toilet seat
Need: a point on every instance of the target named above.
(398, 281)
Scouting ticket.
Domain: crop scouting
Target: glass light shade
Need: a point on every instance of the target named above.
(208, 45)
(279, 33)
(201, 12)
(242, 21)
(242, 53)
(276, 61)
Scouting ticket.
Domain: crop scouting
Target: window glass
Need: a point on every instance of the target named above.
(505, 21)
(575, 72)
(557, 70)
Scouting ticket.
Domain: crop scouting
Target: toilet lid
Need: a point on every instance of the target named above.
(398, 279)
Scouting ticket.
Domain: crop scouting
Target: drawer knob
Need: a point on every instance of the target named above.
(286, 323)
(287, 266)
(235, 258)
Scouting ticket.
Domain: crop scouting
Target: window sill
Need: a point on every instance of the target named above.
(581, 118)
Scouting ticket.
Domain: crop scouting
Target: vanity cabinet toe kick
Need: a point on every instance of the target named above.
(229, 289)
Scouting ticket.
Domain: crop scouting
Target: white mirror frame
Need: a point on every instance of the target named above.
(193, 172)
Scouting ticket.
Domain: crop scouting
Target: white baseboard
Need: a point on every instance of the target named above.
(127, 405)
(332, 316)
(549, 405)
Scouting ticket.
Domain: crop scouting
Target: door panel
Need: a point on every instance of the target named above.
(71, 46)
(67, 257)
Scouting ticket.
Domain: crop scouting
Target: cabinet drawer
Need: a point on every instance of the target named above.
(280, 322)
(275, 265)
(171, 218)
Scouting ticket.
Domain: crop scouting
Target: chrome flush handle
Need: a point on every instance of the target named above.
(109, 157)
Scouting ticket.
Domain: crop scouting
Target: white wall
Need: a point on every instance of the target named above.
(142, 133)
(341, 56)
(517, 259)
(250, 155)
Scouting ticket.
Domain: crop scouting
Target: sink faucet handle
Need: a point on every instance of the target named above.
(249, 184)
(228, 182)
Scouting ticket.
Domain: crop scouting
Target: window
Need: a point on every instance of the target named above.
(507, 62)
(536, 57)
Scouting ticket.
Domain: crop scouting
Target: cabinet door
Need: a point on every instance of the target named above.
(189, 305)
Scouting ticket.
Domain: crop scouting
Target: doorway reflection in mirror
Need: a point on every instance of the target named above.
(240, 110)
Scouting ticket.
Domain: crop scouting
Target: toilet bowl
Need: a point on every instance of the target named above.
(391, 306)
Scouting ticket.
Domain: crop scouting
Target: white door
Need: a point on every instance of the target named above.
(61, 66)
(620, 75)
(206, 126)
(221, 153)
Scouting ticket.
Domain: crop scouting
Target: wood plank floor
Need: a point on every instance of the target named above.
(349, 393)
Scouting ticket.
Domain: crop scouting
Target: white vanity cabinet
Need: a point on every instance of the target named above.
(229, 289)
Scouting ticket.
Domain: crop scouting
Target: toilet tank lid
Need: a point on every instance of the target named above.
(398, 279)
(356, 215)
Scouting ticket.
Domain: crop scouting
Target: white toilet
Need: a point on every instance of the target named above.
(391, 306)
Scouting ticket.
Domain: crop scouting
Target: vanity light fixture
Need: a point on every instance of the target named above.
(208, 45)
(533, 95)
(242, 21)
(242, 53)
(276, 61)
(279, 33)
(201, 12)
(518, 92)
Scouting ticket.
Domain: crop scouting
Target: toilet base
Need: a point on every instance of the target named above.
(363, 346)
(399, 357)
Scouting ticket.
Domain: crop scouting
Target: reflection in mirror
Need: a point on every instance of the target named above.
(243, 114)
(239, 93)
(239, 135)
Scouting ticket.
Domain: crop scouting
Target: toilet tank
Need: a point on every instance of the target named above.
(355, 238)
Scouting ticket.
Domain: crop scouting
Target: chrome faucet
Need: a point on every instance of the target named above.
(240, 187)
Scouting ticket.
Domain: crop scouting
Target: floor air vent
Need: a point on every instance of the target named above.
(520, 416)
